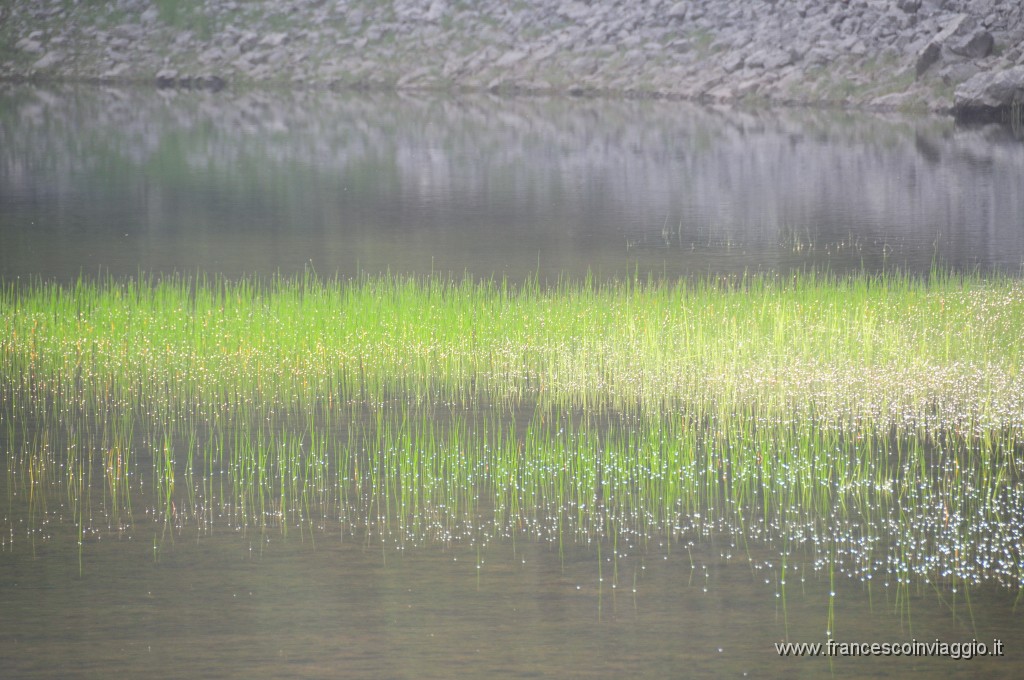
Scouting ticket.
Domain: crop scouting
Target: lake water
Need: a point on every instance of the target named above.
(118, 181)
(97, 181)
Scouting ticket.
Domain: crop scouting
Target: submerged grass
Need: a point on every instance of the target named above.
(871, 423)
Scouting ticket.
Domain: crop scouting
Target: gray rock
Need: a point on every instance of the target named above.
(274, 40)
(769, 59)
(733, 61)
(129, 31)
(30, 45)
(854, 45)
(927, 57)
(777, 59)
(48, 61)
(509, 58)
(213, 54)
(958, 71)
(677, 11)
(958, 25)
(261, 57)
(978, 45)
(413, 77)
(167, 77)
(990, 95)
(574, 11)
(720, 94)
(355, 18)
(436, 12)
(248, 41)
(821, 56)
(955, 28)
(895, 100)
(720, 48)
(118, 71)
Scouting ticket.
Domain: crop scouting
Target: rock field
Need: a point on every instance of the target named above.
(963, 56)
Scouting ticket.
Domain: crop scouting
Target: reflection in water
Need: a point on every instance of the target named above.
(122, 180)
(183, 541)
(197, 586)
(192, 467)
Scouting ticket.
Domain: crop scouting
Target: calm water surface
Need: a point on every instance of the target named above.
(104, 180)
(232, 606)
(97, 181)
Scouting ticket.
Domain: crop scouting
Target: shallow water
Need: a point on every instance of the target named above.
(230, 605)
(97, 180)
(192, 584)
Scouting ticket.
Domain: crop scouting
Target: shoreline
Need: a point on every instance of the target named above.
(940, 56)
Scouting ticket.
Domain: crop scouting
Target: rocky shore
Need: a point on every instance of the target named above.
(962, 56)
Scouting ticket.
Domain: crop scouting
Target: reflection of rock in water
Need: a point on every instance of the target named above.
(928, 150)
(544, 174)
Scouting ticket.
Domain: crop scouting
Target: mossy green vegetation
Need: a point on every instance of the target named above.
(870, 424)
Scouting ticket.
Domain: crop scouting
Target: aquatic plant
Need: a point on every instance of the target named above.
(882, 349)
(868, 424)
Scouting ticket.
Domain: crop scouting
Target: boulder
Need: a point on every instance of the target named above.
(509, 58)
(212, 55)
(770, 59)
(436, 11)
(927, 57)
(733, 61)
(247, 41)
(958, 25)
(30, 45)
(574, 11)
(129, 31)
(990, 96)
(116, 72)
(167, 77)
(48, 61)
(958, 71)
(274, 40)
(677, 11)
(776, 59)
(958, 30)
(977, 45)
(150, 16)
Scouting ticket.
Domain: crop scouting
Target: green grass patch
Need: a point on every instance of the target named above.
(889, 348)
(859, 418)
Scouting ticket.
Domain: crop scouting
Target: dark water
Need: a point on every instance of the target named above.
(96, 181)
